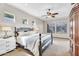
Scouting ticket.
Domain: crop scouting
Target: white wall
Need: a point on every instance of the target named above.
(19, 15)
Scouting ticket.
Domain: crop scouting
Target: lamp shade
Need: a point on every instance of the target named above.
(6, 28)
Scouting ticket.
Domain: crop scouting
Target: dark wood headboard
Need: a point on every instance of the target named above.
(23, 29)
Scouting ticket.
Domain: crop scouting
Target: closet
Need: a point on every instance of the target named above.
(74, 30)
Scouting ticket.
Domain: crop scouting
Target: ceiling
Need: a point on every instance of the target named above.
(39, 9)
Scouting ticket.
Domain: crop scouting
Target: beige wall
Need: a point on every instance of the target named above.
(45, 27)
(19, 15)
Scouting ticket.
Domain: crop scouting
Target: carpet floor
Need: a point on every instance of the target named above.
(60, 47)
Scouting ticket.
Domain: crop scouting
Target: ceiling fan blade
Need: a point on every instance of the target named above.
(55, 14)
(72, 3)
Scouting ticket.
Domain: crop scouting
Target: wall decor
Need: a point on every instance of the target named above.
(9, 18)
(33, 22)
(25, 21)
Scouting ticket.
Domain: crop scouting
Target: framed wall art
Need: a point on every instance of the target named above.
(9, 18)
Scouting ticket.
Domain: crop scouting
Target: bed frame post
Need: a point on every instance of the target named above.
(40, 47)
(15, 31)
(51, 38)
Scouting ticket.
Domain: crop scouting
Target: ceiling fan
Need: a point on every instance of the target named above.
(49, 13)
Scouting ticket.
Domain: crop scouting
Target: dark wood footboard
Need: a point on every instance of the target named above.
(42, 44)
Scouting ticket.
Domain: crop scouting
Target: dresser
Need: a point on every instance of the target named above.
(74, 30)
(7, 39)
(7, 44)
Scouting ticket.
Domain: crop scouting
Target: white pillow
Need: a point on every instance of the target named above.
(23, 33)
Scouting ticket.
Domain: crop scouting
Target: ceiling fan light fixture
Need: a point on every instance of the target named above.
(49, 9)
(48, 13)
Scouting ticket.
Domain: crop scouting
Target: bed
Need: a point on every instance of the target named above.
(36, 43)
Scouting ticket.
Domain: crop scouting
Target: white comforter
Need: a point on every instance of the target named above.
(31, 42)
